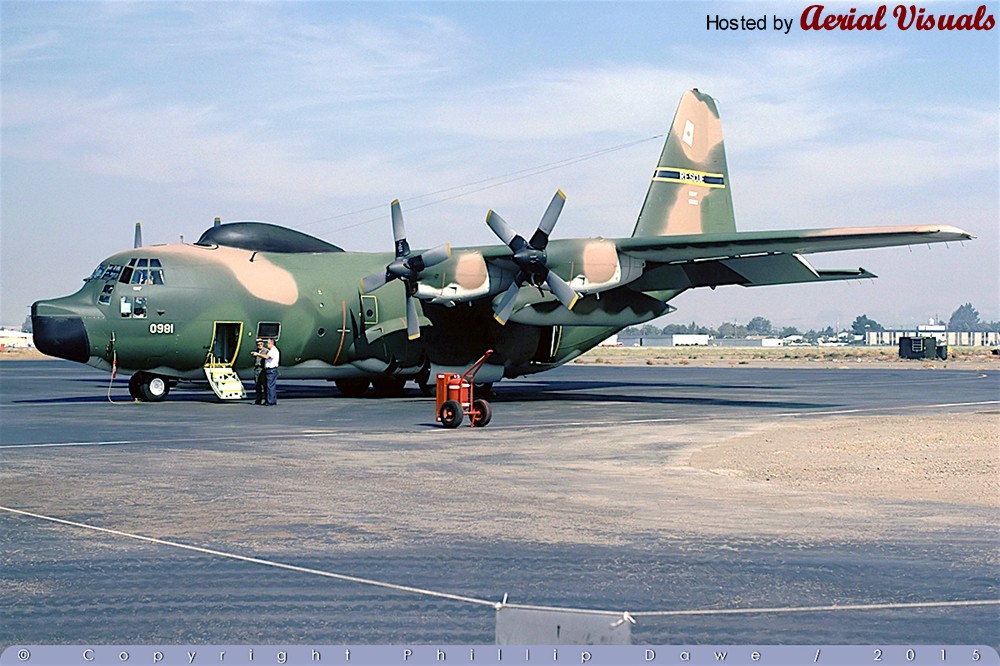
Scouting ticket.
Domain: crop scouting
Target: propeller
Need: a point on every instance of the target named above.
(407, 268)
(530, 258)
(138, 234)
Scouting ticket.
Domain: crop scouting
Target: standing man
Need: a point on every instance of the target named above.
(259, 376)
(271, 369)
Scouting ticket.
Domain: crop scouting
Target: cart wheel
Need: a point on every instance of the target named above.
(451, 414)
(481, 413)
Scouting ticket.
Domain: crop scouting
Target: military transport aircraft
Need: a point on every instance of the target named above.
(192, 311)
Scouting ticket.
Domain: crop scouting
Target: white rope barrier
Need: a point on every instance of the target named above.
(622, 617)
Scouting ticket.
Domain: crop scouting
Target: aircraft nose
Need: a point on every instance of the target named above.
(59, 332)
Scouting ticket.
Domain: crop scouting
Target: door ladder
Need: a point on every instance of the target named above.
(225, 382)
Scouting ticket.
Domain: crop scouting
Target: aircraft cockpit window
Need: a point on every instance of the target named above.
(98, 272)
(105, 297)
(140, 274)
(146, 276)
(139, 308)
(112, 272)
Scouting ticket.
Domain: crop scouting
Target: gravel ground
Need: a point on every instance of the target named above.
(952, 458)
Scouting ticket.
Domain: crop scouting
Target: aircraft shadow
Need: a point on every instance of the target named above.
(560, 396)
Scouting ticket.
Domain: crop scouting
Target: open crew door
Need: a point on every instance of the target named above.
(221, 356)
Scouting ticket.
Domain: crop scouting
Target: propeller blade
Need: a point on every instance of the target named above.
(372, 282)
(138, 234)
(399, 231)
(506, 305)
(500, 228)
(562, 290)
(436, 255)
(412, 319)
(541, 236)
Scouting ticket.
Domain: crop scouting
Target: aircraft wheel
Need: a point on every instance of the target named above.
(389, 387)
(354, 387)
(481, 413)
(154, 388)
(486, 388)
(451, 414)
(134, 383)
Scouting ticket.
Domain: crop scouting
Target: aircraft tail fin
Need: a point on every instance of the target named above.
(689, 193)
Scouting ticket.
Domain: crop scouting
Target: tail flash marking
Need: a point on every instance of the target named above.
(688, 136)
(689, 177)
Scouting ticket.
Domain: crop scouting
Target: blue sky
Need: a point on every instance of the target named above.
(315, 115)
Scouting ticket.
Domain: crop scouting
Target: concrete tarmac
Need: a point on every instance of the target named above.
(578, 494)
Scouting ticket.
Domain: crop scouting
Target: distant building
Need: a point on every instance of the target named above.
(943, 336)
(674, 340)
(747, 342)
(11, 338)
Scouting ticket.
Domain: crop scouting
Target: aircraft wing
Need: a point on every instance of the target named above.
(630, 275)
(707, 247)
(763, 258)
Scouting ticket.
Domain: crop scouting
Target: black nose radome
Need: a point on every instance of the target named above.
(63, 337)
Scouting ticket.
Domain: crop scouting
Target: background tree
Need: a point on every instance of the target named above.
(862, 324)
(729, 330)
(759, 326)
(965, 318)
(26, 326)
(789, 331)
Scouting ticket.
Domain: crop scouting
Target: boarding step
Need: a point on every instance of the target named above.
(225, 383)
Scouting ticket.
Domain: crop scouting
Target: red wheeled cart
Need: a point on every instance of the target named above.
(455, 397)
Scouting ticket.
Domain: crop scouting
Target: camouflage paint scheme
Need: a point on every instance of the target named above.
(239, 275)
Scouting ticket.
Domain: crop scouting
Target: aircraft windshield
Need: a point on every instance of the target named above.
(142, 271)
(98, 272)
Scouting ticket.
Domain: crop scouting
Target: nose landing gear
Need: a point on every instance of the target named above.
(146, 387)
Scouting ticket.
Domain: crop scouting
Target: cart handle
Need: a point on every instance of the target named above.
(470, 374)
